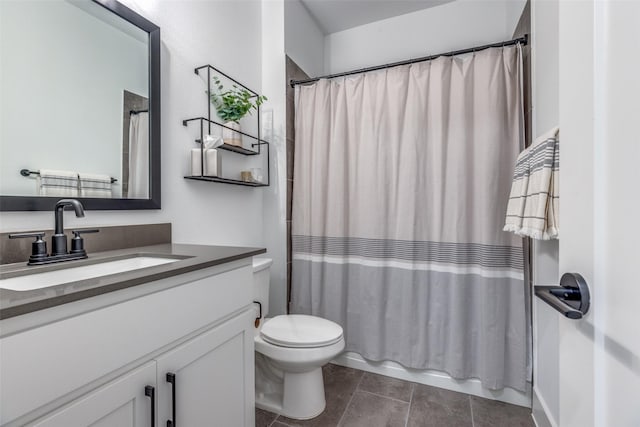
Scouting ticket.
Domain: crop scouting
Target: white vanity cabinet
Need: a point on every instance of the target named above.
(93, 368)
(121, 403)
(208, 375)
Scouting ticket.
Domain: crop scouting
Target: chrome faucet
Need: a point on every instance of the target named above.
(59, 239)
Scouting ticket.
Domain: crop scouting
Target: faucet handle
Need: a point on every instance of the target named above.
(77, 233)
(38, 247)
(77, 242)
(38, 234)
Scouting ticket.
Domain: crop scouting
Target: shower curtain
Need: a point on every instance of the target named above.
(401, 183)
(139, 156)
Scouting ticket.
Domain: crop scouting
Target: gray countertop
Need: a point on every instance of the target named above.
(190, 258)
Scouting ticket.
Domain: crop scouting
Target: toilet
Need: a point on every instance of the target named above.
(290, 351)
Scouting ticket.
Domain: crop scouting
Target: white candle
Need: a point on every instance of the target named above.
(196, 165)
(210, 162)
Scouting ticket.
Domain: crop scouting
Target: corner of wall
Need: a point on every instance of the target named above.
(545, 114)
(513, 11)
(326, 60)
(304, 37)
(540, 412)
(274, 196)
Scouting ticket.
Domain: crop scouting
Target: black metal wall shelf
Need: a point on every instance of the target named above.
(256, 147)
(227, 181)
(239, 150)
(229, 147)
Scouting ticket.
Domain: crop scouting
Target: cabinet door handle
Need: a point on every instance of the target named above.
(150, 391)
(171, 378)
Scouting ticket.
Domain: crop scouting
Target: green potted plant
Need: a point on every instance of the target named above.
(232, 105)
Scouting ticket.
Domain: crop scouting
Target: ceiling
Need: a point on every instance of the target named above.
(338, 15)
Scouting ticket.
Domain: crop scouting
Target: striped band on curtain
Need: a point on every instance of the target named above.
(485, 260)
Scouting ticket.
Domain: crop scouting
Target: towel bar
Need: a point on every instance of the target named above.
(27, 172)
(571, 298)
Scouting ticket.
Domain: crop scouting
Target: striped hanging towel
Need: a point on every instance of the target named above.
(57, 183)
(95, 185)
(532, 210)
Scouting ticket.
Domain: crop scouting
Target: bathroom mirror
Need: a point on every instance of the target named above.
(79, 105)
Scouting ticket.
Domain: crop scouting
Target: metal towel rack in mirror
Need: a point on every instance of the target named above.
(27, 173)
(571, 298)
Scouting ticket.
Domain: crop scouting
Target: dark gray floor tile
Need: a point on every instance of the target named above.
(264, 418)
(436, 407)
(386, 386)
(491, 413)
(339, 384)
(279, 424)
(371, 410)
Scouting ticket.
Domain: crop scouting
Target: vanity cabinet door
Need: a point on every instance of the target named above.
(124, 402)
(211, 378)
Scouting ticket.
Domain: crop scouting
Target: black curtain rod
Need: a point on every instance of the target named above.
(522, 40)
(137, 111)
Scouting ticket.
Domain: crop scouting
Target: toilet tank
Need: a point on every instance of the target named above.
(261, 277)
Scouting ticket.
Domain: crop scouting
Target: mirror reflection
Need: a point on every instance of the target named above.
(74, 118)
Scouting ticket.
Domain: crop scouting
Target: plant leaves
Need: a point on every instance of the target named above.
(235, 103)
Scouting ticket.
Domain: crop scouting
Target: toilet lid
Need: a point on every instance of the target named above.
(301, 331)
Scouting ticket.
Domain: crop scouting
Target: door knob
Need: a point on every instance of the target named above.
(571, 298)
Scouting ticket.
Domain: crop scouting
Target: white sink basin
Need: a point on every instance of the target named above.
(74, 274)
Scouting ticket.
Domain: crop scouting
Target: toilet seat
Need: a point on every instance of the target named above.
(300, 331)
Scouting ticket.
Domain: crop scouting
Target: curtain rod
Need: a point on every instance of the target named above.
(522, 40)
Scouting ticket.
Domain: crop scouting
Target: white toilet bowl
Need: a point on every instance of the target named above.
(290, 353)
(289, 374)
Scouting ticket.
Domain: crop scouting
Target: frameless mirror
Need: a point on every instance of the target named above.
(79, 105)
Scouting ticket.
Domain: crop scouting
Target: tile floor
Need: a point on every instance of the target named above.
(357, 398)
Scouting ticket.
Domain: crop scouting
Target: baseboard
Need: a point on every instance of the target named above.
(433, 378)
(540, 411)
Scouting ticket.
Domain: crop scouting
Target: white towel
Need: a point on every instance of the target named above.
(95, 185)
(57, 183)
(533, 203)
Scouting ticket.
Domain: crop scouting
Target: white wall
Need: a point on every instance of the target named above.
(273, 84)
(545, 100)
(288, 28)
(451, 26)
(304, 40)
(513, 10)
(42, 78)
(226, 34)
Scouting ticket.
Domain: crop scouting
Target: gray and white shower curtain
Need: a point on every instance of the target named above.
(401, 182)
